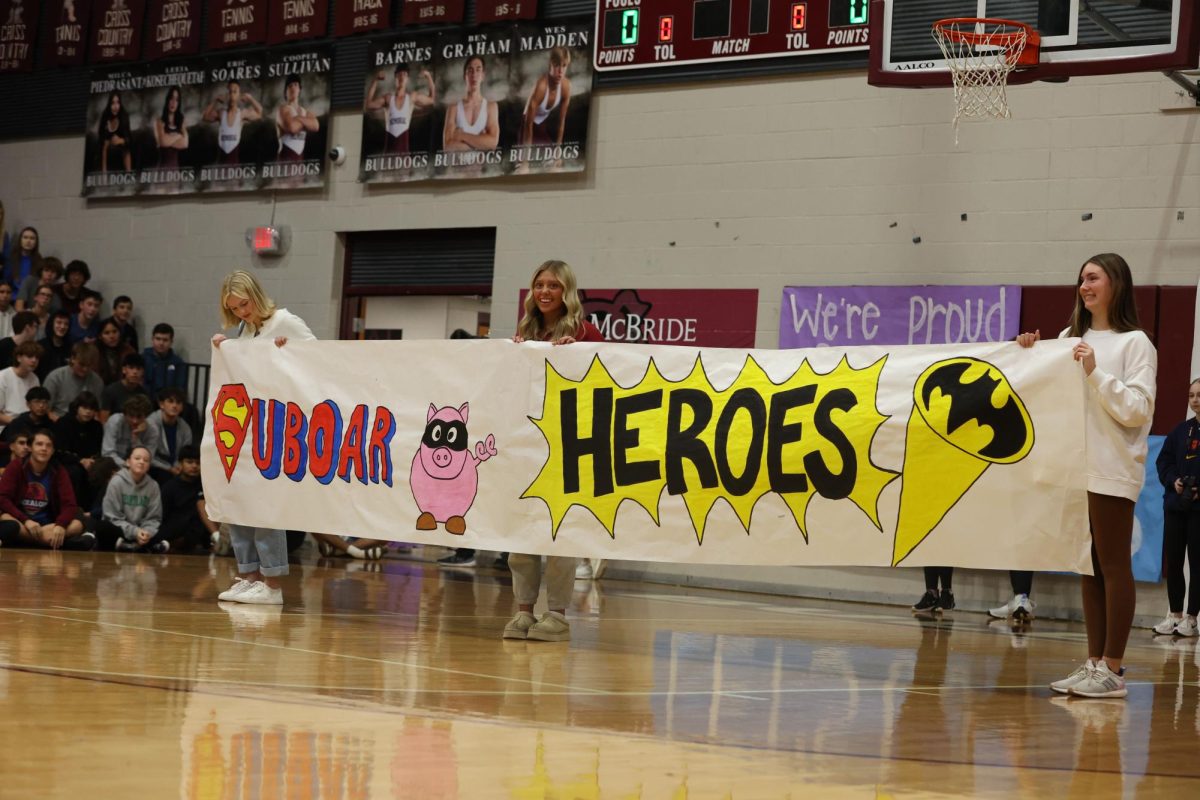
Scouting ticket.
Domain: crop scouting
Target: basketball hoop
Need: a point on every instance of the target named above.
(981, 53)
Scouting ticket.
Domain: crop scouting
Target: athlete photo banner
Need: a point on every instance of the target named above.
(481, 103)
(957, 455)
(296, 96)
(399, 105)
(475, 103)
(18, 30)
(170, 114)
(552, 78)
(111, 157)
(238, 133)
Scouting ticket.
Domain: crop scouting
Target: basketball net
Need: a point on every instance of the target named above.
(981, 54)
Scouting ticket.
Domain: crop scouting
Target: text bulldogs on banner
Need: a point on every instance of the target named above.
(964, 455)
(480, 103)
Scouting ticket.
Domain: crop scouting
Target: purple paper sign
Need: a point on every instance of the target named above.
(853, 315)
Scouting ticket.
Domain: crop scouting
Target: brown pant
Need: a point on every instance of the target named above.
(1108, 596)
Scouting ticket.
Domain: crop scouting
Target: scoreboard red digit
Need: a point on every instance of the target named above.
(643, 34)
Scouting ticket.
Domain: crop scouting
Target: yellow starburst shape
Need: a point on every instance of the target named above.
(966, 416)
(810, 434)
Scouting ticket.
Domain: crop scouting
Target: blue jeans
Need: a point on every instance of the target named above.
(259, 549)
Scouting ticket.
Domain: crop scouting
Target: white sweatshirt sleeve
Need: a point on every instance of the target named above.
(1130, 401)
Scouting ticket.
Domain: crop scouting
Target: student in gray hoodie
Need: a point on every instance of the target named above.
(172, 432)
(132, 510)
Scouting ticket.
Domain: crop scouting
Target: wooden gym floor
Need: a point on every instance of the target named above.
(120, 677)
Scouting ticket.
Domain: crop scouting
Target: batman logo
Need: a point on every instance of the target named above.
(972, 405)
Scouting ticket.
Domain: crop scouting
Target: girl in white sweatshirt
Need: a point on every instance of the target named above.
(1119, 367)
(261, 553)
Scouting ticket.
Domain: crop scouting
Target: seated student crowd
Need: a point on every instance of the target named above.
(75, 402)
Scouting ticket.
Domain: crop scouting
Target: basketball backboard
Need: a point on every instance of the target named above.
(1078, 37)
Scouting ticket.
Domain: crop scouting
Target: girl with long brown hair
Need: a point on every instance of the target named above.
(1119, 366)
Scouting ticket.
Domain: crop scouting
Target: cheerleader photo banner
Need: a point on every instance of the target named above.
(956, 455)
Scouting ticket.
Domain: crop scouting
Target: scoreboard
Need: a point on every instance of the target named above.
(643, 34)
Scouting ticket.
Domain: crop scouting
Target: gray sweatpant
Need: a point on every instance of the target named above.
(527, 574)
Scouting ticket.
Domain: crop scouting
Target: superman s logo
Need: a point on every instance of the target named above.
(231, 420)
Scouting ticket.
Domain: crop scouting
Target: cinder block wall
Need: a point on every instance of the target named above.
(819, 179)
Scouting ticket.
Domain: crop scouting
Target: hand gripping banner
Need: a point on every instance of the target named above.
(959, 455)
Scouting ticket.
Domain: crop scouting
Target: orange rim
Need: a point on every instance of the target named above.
(951, 30)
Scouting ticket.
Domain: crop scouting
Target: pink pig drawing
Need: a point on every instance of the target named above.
(445, 473)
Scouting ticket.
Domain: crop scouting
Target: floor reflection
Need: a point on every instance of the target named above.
(390, 680)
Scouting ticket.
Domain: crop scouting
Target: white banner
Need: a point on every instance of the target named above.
(957, 455)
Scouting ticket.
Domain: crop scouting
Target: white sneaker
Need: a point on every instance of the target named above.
(1006, 610)
(1187, 627)
(231, 594)
(1081, 673)
(583, 570)
(261, 594)
(1020, 608)
(1167, 626)
(1101, 682)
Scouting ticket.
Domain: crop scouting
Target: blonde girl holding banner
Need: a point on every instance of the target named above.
(553, 313)
(262, 555)
(1119, 366)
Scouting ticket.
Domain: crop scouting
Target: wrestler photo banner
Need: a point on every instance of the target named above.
(296, 93)
(481, 103)
(398, 110)
(958, 455)
(237, 134)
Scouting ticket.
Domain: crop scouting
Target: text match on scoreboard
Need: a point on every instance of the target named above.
(642, 34)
